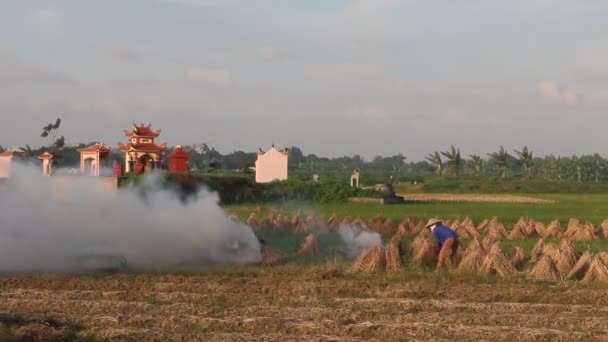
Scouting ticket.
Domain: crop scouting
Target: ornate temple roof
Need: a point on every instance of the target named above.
(142, 131)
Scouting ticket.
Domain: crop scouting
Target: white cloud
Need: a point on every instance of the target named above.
(214, 76)
(553, 92)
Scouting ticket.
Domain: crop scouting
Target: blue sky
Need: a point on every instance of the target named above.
(333, 77)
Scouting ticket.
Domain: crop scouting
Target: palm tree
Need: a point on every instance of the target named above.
(525, 157)
(502, 158)
(435, 160)
(454, 160)
(27, 150)
(477, 163)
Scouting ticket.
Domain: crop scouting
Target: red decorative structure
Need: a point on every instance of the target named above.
(117, 169)
(141, 153)
(178, 160)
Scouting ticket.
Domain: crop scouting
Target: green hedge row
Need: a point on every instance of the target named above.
(242, 189)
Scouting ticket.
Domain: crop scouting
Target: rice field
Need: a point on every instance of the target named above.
(535, 277)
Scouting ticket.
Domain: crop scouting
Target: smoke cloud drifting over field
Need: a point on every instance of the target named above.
(358, 238)
(52, 223)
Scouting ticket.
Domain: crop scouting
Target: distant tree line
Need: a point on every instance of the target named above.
(449, 163)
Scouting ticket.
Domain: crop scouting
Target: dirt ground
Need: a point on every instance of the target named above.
(296, 304)
(500, 198)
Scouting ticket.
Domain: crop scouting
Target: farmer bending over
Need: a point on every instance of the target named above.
(447, 241)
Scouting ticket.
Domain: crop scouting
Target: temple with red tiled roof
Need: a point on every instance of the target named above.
(142, 153)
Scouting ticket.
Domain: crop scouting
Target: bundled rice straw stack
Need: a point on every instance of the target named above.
(388, 227)
(537, 250)
(565, 257)
(333, 221)
(370, 260)
(554, 229)
(483, 225)
(573, 227)
(271, 258)
(497, 262)
(418, 228)
(585, 232)
(422, 251)
(544, 269)
(346, 221)
(473, 257)
(468, 226)
(496, 229)
(518, 232)
(393, 260)
(252, 220)
(519, 258)
(581, 267)
(488, 242)
(598, 269)
(604, 228)
(310, 245)
(539, 228)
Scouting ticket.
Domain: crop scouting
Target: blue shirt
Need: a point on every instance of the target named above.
(442, 233)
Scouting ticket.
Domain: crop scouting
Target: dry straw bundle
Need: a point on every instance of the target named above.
(393, 261)
(468, 226)
(573, 227)
(581, 267)
(598, 268)
(537, 250)
(604, 228)
(496, 229)
(566, 256)
(271, 258)
(310, 245)
(544, 269)
(585, 232)
(473, 257)
(422, 251)
(488, 242)
(252, 220)
(554, 229)
(370, 260)
(497, 262)
(519, 258)
(483, 225)
(518, 232)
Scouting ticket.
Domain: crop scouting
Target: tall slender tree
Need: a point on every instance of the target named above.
(435, 160)
(502, 159)
(525, 158)
(477, 164)
(453, 160)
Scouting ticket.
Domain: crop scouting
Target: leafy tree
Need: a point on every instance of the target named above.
(525, 158)
(435, 160)
(477, 164)
(51, 130)
(502, 160)
(453, 160)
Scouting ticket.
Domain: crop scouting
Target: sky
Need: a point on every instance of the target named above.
(333, 77)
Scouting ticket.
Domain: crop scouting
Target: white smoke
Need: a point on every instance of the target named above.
(358, 238)
(49, 223)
